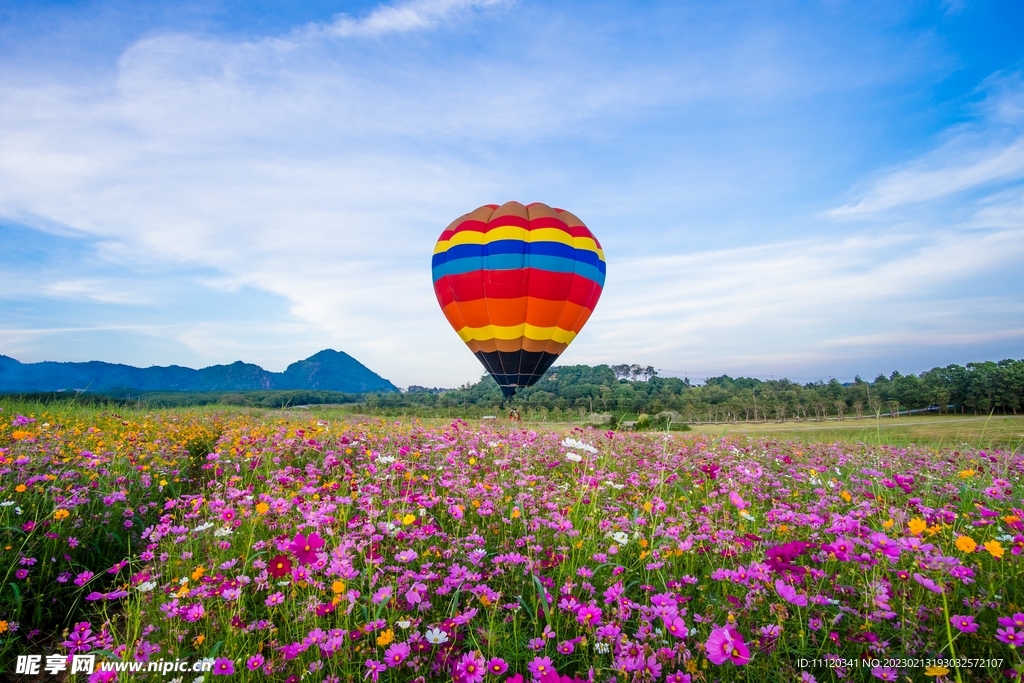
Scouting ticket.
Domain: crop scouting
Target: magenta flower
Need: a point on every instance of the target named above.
(1016, 621)
(222, 666)
(373, 669)
(255, 662)
(382, 595)
(885, 673)
(676, 627)
(589, 615)
(305, 547)
(726, 644)
(497, 666)
(396, 654)
(1009, 636)
(540, 666)
(566, 647)
(103, 677)
(470, 668)
(965, 624)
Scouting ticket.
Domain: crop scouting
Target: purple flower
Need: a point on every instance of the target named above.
(927, 583)
(885, 673)
(222, 666)
(965, 624)
(470, 668)
(255, 662)
(726, 644)
(21, 574)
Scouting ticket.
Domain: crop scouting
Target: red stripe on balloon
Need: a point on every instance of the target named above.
(512, 284)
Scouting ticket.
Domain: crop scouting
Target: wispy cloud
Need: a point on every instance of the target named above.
(981, 153)
(411, 16)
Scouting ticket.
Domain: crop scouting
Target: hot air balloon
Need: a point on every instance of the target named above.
(517, 283)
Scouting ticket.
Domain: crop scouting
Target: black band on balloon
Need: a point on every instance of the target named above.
(516, 369)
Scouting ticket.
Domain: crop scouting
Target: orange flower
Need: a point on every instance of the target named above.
(20, 488)
(995, 548)
(917, 526)
(262, 508)
(20, 434)
(385, 638)
(198, 572)
(966, 544)
(61, 514)
(846, 496)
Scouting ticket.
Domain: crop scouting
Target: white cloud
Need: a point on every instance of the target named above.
(982, 153)
(411, 16)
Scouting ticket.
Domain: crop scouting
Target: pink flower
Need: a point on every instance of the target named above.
(789, 594)
(396, 654)
(373, 669)
(885, 673)
(726, 644)
(1009, 636)
(676, 627)
(304, 548)
(540, 666)
(1017, 620)
(255, 662)
(497, 666)
(470, 668)
(589, 615)
(965, 624)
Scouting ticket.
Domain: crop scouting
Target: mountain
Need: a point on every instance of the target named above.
(327, 370)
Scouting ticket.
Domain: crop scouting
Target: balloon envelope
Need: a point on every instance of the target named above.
(517, 283)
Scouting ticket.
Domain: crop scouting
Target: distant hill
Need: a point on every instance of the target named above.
(327, 370)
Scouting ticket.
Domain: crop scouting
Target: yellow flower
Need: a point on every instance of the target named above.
(648, 506)
(262, 508)
(887, 524)
(198, 640)
(935, 671)
(966, 544)
(917, 526)
(472, 461)
(20, 488)
(61, 514)
(845, 495)
(966, 474)
(338, 587)
(3, 627)
(516, 513)
(20, 434)
(995, 548)
(198, 572)
(408, 519)
(385, 638)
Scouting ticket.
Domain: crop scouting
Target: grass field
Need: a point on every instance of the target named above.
(1002, 431)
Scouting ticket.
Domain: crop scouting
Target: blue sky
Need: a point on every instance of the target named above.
(799, 189)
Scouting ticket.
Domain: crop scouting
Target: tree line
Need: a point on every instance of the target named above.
(568, 392)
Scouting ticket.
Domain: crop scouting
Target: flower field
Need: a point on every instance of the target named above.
(287, 548)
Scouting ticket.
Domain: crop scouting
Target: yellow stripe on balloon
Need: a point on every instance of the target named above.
(510, 232)
(556, 334)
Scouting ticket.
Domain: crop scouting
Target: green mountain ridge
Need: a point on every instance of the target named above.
(327, 370)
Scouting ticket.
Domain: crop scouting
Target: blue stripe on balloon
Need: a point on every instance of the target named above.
(554, 264)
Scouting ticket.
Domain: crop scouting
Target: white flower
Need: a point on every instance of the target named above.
(746, 515)
(202, 527)
(574, 457)
(222, 532)
(146, 586)
(386, 459)
(617, 487)
(6, 504)
(601, 648)
(404, 624)
(436, 636)
(620, 537)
